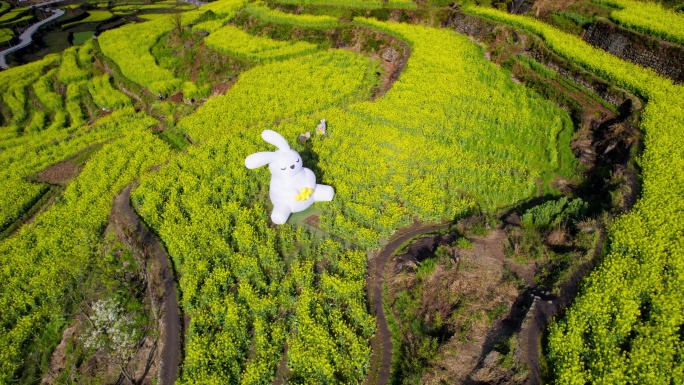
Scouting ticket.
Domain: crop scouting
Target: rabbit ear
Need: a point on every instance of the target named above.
(259, 159)
(275, 139)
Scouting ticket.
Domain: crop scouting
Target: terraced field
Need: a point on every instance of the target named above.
(543, 162)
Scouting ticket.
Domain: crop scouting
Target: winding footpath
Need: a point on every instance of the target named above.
(26, 37)
(382, 343)
(129, 226)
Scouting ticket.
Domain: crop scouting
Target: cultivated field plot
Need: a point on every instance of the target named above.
(506, 207)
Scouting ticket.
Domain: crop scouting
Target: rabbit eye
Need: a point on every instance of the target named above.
(283, 168)
(297, 160)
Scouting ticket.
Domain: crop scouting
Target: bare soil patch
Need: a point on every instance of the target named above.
(195, 66)
(394, 57)
(161, 283)
(177, 97)
(221, 88)
(59, 173)
(485, 298)
(381, 344)
(313, 221)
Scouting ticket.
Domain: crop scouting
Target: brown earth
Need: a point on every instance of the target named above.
(59, 173)
(480, 284)
(58, 176)
(545, 307)
(483, 275)
(381, 344)
(100, 365)
(393, 60)
(221, 88)
(58, 358)
(195, 66)
(161, 283)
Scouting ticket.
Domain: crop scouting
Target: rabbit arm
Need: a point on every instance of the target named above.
(259, 159)
(309, 179)
(275, 139)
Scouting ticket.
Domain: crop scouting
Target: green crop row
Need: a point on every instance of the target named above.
(37, 122)
(74, 94)
(26, 18)
(249, 287)
(15, 100)
(13, 85)
(360, 4)
(69, 71)
(222, 11)
(625, 326)
(648, 17)
(191, 91)
(209, 25)
(238, 43)
(85, 54)
(340, 71)
(106, 96)
(225, 8)
(93, 17)
(13, 14)
(44, 90)
(305, 21)
(41, 263)
(129, 47)
(132, 8)
(6, 35)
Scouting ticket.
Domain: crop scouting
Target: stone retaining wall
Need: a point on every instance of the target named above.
(665, 58)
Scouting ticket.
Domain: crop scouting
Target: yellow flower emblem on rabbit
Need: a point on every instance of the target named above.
(304, 194)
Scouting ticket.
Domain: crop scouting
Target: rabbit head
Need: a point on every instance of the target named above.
(283, 163)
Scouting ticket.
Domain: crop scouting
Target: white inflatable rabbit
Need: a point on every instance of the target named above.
(293, 187)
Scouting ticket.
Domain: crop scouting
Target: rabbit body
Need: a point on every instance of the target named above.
(293, 187)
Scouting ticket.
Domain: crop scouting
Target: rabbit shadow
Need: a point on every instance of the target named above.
(310, 160)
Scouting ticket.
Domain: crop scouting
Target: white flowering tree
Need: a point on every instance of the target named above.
(114, 332)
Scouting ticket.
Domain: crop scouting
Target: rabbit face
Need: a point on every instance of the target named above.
(287, 164)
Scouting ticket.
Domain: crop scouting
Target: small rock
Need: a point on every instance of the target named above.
(492, 359)
(390, 54)
(513, 220)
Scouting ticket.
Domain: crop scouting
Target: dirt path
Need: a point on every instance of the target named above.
(545, 307)
(382, 342)
(136, 235)
(394, 63)
(195, 66)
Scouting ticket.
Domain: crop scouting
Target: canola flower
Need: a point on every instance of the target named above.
(621, 328)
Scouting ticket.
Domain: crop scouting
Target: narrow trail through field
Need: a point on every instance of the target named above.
(545, 307)
(131, 230)
(382, 342)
